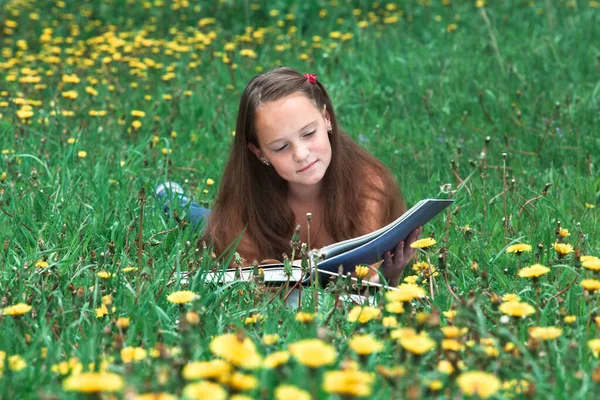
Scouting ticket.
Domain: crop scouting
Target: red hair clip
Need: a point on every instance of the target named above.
(312, 78)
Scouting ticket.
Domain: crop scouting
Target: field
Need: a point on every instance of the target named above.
(494, 104)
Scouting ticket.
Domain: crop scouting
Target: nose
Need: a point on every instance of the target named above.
(301, 152)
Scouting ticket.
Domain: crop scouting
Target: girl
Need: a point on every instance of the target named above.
(289, 157)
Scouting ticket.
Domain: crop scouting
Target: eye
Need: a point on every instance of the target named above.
(280, 148)
(310, 133)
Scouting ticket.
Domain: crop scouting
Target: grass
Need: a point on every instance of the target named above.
(503, 98)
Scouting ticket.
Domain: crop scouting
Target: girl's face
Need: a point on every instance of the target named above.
(292, 136)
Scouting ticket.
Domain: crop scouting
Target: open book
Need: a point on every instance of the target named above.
(366, 249)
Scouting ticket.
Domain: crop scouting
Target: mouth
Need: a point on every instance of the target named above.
(307, 167)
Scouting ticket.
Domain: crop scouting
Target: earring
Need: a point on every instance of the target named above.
(266, 163)
(329, 128)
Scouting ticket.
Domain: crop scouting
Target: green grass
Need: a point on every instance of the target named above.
(417, 93)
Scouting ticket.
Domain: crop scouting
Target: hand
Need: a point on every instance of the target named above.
(394, 263)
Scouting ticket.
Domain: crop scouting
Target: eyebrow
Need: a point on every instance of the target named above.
(303, 128)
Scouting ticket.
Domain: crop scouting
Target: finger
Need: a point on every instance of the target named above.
(387, 258)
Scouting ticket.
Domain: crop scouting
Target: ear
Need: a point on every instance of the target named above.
(326, 115)
(257, 152)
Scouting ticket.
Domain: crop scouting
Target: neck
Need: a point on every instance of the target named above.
(304, 194)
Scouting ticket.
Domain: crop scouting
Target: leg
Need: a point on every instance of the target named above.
(171, 193)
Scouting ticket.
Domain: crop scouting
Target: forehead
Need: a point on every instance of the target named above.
(284, 116)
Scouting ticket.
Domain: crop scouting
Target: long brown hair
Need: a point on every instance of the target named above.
(254, 196)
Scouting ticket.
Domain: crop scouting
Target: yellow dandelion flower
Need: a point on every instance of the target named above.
(276, 359)
(17, 309)
(193, 318)
(401, 333)
(239, 351)
(445, 367)
(348, 382)
(569, 319)
(417, 344)
(395, 307)
(24, 113)
(138, 113)
(405, 293)
(423, 243)
(510, 297)
(204, 391)
(93, 382)
(181, 297)
(305, 317)
(82, 154)
(562, 232)
(123, 322)
(478, 383)
(590, 206)
(242, 382)
(519, 248)
(592, 264)
(104, 275)
(594, 345)
(286, 392)
(450, 314)
(516, 309)
(136, 124)
(214, 369)
(41, 264)
(133, 354)
(545, 332)
(253, 319)
(363, 314)
(210, 182)
(453, 332)
(389, 322)
(361, 271)
(563, 248)
(313, 353)
(591, 285)
(365, 344)
(270, 339)
(534, 271)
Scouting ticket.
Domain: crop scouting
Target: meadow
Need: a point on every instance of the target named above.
(494, 104)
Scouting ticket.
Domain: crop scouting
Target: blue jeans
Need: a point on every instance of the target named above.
(195, 214)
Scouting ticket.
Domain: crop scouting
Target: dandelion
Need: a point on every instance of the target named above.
(305, 317)
(204, 391)
(594, 345)
(519, 248)
(136, 124)
(181, 297)
(510, 297)
(453, 332)
(389, 322)
(563, 249)
(41, 264)
(478, 383)
(591, 285)
(17, 309)
(123, 322)
(242, 382)
(593, 264)
(138, 113)
(270, 339)
(445, 367)
(363, 314)
(545, 333)
(417, 344)
(275, 360)
(365, 345)
(214, 369)
(155, 396)
(361, 271)
(239, 351)
(348, 383)
(193, 318)
(93, 382)
(253, 319)
(569, 319)
(589, 206)
(562, 232)
(395, 307)
(104, 275)
(313, 353)
(516, 309)
(535, 271)
(286, 392)
(133, 354)
(423, 243)
(405, 293)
